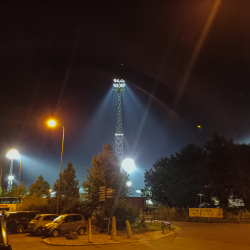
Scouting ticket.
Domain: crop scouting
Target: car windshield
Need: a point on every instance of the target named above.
(59, 219)
(37, 217)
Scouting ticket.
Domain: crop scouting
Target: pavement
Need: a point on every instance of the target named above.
(104, 239)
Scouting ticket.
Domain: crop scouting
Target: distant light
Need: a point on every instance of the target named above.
(11, 177)
(129, 183)
(138, 191)
(13, 154)
(52, 123)
(118, 134)
(50, 190)
(199, 126)
(128, 165)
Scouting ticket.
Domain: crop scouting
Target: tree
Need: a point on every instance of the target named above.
(241, 179)
(40, 188)
(105, 171)
(4, 193)
(220, 171)
(176, 181)
(69, 186)
(229, 172)
(221, 168)
(14, 191)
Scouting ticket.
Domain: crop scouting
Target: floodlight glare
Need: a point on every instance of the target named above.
(128, 165)
(129, 183)
(13, 154)
(11, 177)
(52, 123)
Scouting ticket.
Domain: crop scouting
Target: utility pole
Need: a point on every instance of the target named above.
(119, 85)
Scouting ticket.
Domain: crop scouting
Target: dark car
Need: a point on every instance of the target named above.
(4, 242)
(18, 221)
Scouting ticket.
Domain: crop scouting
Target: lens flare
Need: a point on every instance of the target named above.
(128, 165)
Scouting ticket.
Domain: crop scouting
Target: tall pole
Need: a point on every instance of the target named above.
(200, 202)
(17, 208)
(119, 85)
(59, 185)
(1, 173)
(10, 181)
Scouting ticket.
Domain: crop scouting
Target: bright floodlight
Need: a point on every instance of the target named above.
(128, 165)
(13, 154)
(52, 123)
(11, 177)
(129, 183)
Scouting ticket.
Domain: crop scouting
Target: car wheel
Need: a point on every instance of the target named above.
(20, 229)
(39, 231)
(81, 231)
(55, 233)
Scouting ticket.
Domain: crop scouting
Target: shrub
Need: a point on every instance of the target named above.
(123, 212)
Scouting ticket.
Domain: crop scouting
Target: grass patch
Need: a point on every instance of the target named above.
(149, 227)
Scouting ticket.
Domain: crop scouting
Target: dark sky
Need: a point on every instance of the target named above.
(186, 63)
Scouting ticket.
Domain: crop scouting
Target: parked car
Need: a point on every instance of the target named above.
(4, 242)
(18, 221)
(66, 223)
(35, 226)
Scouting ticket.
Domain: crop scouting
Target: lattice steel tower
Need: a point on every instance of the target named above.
(119, 85)
(10, 177)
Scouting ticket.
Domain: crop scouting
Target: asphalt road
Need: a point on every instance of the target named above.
(193, 236)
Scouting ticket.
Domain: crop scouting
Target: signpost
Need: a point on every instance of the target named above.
(106, 193)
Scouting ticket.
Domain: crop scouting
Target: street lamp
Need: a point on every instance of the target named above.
(13, 154)
(53, 123)
(200, 202)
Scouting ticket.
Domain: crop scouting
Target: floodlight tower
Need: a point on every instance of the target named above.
(10, 177)
(119, 85)
(12, 154)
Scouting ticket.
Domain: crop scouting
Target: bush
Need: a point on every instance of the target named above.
(32, 203)
(123, 212)
(78, 206)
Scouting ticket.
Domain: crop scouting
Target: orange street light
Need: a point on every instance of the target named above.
(53, 123)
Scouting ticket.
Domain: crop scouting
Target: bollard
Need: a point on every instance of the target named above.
(113, 229)
(89, 230)
(129, 231)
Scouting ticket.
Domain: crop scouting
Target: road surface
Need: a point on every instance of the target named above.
(193, 236)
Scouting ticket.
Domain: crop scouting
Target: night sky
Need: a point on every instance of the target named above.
(186, 63)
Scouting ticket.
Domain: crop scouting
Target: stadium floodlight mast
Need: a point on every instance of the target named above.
(119, 85)
(13, 154)
(53, 123)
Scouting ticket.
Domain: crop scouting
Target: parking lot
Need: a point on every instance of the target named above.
(194, 235)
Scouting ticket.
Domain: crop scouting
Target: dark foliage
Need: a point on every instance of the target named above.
(220, 171)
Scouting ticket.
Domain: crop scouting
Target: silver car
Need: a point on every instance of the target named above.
(66, 223)
(36, 225)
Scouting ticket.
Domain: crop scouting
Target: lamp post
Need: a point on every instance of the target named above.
(53, 123)
(13, 154)
(200, 202)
